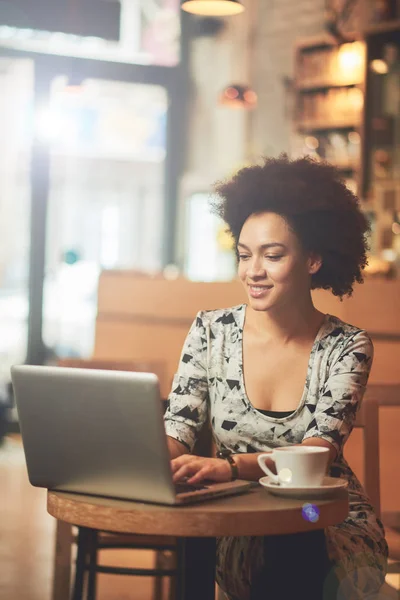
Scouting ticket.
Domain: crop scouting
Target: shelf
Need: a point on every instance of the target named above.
(325, 40)
(346, 166)
(342, 165)
(322, 126)
(384, 27)
(319, 87)
(312, 85)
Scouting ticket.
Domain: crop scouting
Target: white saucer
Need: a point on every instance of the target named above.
(327, 488)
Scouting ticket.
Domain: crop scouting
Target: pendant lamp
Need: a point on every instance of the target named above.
(212, 8)
(242, 95)
(238, 96)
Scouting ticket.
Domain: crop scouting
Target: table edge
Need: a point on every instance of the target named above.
(174, 521)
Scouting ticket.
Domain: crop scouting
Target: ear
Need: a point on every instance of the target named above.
(314, 263)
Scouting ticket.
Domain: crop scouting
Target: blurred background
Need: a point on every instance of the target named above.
(116, 117)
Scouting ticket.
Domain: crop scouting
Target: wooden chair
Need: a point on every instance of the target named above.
(89, 542)
(368, 419)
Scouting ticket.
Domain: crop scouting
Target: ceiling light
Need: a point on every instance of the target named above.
(212, 8)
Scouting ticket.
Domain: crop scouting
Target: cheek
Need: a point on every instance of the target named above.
(288, 273)
(281, 272)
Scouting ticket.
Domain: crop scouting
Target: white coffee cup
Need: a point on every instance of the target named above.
(296, 466)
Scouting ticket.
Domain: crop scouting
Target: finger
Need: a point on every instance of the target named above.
(178, 462)
(175, 465)
(185, 470)
(204, 473)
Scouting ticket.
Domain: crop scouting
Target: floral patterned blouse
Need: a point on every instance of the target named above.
(209, 384)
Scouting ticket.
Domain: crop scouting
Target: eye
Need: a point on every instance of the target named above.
(243, 256)
(274, 257)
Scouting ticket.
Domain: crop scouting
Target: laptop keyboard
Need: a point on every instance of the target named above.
(184, 488)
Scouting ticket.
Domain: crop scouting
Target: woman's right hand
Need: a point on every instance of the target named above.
(198, 468)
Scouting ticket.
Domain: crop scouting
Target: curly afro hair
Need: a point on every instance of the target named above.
(312, 197)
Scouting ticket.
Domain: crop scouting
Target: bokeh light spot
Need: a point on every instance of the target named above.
(310, 512)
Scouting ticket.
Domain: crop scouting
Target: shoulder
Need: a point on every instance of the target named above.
(336, 328)
(221, 317)
(340, 338)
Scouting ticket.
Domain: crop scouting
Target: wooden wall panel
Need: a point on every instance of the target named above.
(389, 428)
(162, 342)
(131, 340)
(374, 306)
(122, 294)
(386, 365)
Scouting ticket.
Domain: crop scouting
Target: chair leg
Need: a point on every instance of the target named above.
(83, 538)
(62, 562)
(173, 580)
(172, 595)
(158, 581)
(93, 551)
(165, 560)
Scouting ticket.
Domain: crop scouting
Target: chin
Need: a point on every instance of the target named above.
(259, 305)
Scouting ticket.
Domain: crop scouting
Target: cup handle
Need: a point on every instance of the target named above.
(261, 461)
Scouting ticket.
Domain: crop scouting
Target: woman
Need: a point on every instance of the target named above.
(276, 372)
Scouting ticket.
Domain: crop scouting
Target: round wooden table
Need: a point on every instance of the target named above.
(256, 512)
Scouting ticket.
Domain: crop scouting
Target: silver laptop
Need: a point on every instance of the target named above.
(100, 432)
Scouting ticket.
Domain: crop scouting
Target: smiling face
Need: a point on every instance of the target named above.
(273, 267)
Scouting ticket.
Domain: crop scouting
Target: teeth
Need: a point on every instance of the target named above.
(257, 289)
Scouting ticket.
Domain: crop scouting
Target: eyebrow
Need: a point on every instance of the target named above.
(264, 246)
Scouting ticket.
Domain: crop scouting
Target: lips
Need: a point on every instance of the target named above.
(257, 291)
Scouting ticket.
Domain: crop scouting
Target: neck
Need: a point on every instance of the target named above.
(297, 320)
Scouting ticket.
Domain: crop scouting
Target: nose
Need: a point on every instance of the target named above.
(256, 269)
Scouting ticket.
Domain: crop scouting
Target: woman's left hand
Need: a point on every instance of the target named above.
(197, 468)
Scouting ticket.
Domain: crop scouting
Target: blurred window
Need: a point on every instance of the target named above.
(107, 143)
(149, 35)
(16, 76)
(209, 254)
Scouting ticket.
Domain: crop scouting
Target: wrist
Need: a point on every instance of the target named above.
(231, 460)
(227, 469)
(236, 460)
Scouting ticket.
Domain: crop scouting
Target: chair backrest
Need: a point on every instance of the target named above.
(376, 396)
(368, 419)
(384, 394)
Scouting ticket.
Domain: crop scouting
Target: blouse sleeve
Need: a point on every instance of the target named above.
(342, 392)
(187, 403)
